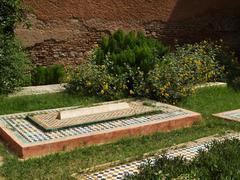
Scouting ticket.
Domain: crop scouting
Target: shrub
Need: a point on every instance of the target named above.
(225, 57)
(141, 69)
(14, 65)
(178, 73)
(132, 49)
(38, 75)
(162, 168)
(92, 79)
(126, 58)
(11, 13)
(235, 83)
(42, 75)
(55, 74)
(220, 161)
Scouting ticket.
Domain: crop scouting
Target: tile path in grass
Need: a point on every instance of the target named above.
(188, 150)
(36, 90)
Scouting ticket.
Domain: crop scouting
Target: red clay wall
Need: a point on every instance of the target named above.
(63, 31)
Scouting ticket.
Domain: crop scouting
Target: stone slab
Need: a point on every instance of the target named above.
(27, 140)
(211, 84)
(80, 112)
(99, 112)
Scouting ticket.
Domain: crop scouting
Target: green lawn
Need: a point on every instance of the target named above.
(62, 165)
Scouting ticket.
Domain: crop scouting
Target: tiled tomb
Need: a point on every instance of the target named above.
(27, 138)
(229, 115)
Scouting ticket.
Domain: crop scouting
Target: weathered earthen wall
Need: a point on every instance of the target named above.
(63, 31)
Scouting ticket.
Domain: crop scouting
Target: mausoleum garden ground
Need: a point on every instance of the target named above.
(124, 64)
(62, 165)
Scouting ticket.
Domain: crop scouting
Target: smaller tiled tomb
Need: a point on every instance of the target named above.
(28, 139)
(229, 115)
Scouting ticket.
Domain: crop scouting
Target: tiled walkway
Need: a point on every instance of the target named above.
(189, 151)
(36, 90)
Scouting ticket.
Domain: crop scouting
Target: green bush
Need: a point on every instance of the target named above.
(14, 65)
(56, 74)
(11, 13)
(220, 162)
(178, 73)
(95, 80)
(225, 57)
(132, 49)
(38, 75)
(42, 75)
(126, 58)
(235, 83)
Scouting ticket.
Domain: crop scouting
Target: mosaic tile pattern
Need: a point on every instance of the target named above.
(230, 115)
(235, 115)
(28, 133)
(119, 172)
(50, 121)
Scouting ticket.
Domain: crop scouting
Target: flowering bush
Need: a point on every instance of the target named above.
(227, 58)
(92, 79)
(178, 73)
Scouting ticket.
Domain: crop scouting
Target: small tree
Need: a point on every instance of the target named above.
(11, 13)
(14, 63)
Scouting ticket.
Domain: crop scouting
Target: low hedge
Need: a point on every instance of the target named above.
(219, 162)
(42, 75)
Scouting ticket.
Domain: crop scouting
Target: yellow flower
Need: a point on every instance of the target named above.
(131, 92)
(125, 86)
(89, 83)
(199, 62)
(102, 91)
(105, 87)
